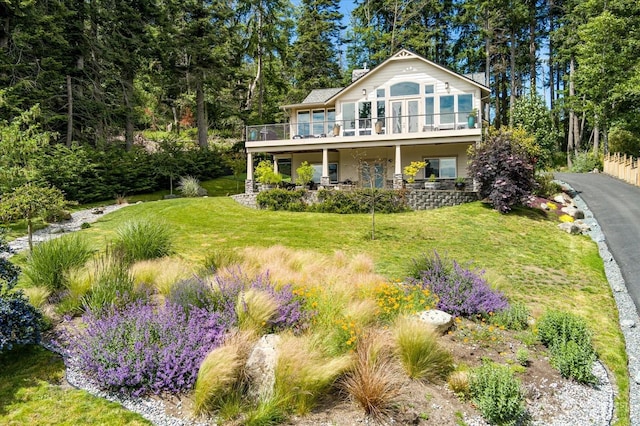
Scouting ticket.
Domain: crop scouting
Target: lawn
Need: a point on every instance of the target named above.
(30, 393)
(523, 253)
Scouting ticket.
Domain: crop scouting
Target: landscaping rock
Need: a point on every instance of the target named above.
(97, 210)
(260, 367)
(628, 323)
(584, 228)
(560, 199)
(439, 320)
(570, 228)
(573, 211)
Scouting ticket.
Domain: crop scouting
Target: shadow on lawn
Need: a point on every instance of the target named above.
(25, 368)
(522, 211)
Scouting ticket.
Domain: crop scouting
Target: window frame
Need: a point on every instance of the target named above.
(428, 170)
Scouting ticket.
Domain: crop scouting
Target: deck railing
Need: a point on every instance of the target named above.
(395, 125)
(622, 167)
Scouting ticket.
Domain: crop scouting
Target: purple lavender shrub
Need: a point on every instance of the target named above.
(461, 291)
(140, 349)
(221, 294)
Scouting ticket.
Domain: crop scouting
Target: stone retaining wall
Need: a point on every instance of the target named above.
(247, 200)
(417, 199)
(425, 199)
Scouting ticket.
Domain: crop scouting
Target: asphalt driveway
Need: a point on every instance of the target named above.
(616, 206)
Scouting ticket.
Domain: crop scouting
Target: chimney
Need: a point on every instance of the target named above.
(357, 73)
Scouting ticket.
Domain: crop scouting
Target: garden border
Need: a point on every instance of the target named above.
(627, 314)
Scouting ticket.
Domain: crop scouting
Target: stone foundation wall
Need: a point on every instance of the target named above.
(247, 200)
(424, 199)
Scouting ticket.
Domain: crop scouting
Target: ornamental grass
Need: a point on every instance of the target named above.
(374, 381)
(419, 351)
(303, 373)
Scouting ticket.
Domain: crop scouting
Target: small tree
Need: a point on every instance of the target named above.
(503, 170)
(412, 170)
(238, 164)
(28, 202)
(370, 172)
(170, 159)
(305, 173)
(266, 175)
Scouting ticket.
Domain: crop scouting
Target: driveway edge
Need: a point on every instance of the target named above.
(627, 313)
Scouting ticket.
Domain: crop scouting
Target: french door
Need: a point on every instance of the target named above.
(405, 115)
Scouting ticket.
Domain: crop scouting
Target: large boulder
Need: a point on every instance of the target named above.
(440, 321)
(260, 367)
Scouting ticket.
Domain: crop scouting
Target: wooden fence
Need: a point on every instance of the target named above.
(623, 167)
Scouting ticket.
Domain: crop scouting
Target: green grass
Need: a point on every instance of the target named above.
(524, 254)
(219, 187)
(31, 392)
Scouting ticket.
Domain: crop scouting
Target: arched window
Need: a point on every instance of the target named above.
(405, 88)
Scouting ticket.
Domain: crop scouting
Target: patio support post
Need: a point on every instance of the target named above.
(324, 179)
(275, 164)
(248, 183)
(397, 174)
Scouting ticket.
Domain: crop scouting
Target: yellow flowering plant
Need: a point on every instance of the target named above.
(412, 170)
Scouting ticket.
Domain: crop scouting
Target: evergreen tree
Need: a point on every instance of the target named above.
(316, 50)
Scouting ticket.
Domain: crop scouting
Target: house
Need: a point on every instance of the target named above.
(405, 109)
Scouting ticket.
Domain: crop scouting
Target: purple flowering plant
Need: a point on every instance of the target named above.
(461, 291)
(141, 347)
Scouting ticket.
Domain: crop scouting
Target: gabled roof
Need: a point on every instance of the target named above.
(405, 54)
(321, 95)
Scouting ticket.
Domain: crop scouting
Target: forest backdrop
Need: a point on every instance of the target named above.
(102, 70)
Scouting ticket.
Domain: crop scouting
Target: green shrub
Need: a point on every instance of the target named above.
(584, 162)
(142, 240)
(515, 317)
(419, 351)
(624, 142)
(87, 174)
(360, 201)
(497, 393)
(569, 341)
(574, 361)
(282, 199)
(51, 261)
(20, 321)
(305, 173)
(189, 186)
(522, 356)
(546, 187)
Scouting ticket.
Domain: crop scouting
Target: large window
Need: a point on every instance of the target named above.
(429, 111)
(405, 88)
(349, 118)
(447, 109)
(465, 106)
(333, 172)
(364, 118)
(443, 168)
(303, 123)
(318, 122)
